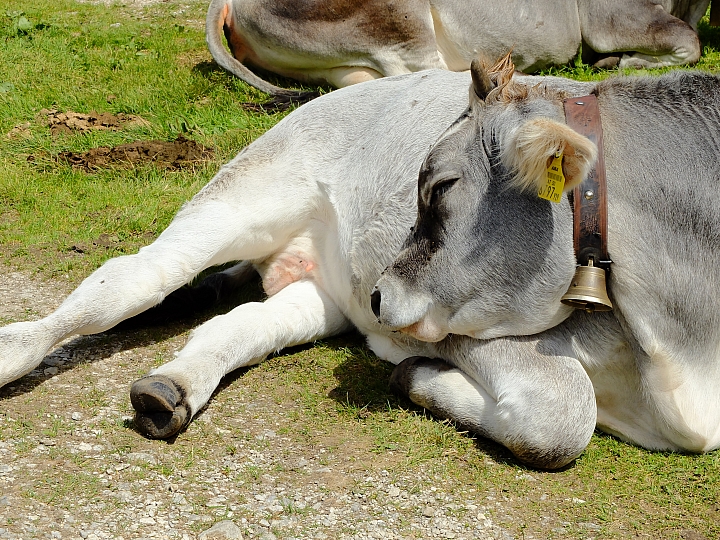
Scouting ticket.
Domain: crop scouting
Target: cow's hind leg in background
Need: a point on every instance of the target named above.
(538, 403)
(653, 37)
(246, 213)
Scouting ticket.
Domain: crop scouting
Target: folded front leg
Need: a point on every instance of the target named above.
(170, 395)
(541, 406)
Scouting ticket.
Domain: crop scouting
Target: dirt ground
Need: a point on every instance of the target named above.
(175, 154)
(72, 122)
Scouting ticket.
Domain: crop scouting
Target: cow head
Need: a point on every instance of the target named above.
(487, 257)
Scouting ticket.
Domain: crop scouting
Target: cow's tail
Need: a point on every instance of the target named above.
(281, 98)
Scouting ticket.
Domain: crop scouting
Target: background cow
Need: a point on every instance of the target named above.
(343, 42)
(320, 204)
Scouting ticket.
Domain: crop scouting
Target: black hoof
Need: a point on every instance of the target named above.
(160, 411)
(402, 376)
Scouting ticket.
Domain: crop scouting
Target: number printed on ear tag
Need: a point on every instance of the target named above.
(552, 189)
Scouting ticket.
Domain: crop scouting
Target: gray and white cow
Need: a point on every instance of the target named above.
(323, 202)
(342, 42)
(488, 258)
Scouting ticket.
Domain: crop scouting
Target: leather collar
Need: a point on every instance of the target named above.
(589, 199)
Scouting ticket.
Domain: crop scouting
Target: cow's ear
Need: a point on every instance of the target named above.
(533, 146)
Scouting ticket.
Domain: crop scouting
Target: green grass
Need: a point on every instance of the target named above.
(153, 63)
(342, 399)
(83, 57)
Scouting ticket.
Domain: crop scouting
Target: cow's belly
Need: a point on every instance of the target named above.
(347, 43)
(658, 404)
(537, 33)
(295, 261)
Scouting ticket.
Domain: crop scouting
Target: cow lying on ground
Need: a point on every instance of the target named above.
(343, 42)
(323, 202)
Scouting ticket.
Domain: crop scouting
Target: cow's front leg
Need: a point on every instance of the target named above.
(539, 405)
(167, 398)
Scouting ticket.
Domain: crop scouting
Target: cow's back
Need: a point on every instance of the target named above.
(662, 145)
(539, 34)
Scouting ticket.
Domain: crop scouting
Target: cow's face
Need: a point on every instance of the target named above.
(487, 257)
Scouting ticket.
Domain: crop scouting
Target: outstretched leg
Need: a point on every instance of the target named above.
(541, 406)
(190, 300)
(169, 396)
(246, 213)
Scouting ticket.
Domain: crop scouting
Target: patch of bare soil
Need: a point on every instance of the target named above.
(70, 121)
(20, 131)
(177, 154)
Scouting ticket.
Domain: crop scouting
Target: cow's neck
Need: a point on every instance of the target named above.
(589, 203)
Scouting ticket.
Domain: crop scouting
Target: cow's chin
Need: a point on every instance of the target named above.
(425, 330)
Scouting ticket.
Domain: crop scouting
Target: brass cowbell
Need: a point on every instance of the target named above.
(587, 290)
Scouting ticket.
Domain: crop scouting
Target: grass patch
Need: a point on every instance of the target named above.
(82, 57)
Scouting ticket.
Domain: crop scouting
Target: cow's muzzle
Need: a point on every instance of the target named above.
(406, 312)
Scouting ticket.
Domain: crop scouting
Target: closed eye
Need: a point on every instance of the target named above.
(440, 189)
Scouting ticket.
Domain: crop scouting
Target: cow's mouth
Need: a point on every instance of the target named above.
(425, 330)
(408, 312)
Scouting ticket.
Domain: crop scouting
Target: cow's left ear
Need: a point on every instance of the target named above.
(532, 148)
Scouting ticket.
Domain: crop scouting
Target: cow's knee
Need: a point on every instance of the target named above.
(161, 410)
(544, 445)
(547, 428)
(544, 429)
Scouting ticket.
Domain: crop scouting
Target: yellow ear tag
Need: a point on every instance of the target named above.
(552, 189)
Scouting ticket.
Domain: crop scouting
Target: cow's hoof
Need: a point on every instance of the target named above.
(609, 62)
(401, 379)
(160, 411)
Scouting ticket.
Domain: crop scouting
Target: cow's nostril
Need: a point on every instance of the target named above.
(375, 302)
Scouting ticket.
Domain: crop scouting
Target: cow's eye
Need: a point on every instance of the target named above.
(440, 189)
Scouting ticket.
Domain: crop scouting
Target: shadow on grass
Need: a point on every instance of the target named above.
(362, 378)
(257, 99)
(709, 35)
(363, 388)
(137, 332)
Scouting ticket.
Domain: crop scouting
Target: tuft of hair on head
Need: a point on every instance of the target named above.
(499, 79)
(502, 71)
(531, 149)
